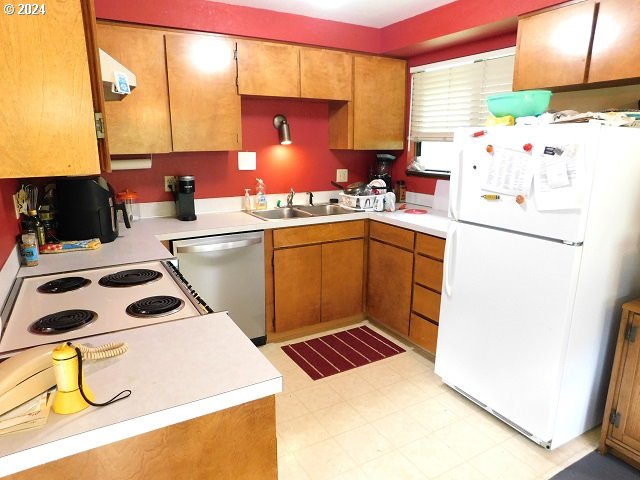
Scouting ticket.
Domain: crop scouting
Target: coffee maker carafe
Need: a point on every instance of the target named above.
(185, 208)
(382, 169)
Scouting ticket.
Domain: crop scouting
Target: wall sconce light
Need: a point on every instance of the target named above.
(280, 123)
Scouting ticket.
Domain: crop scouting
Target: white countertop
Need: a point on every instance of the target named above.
(140, 243)
(176, 371)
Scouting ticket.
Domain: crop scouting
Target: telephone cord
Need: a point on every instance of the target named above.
(103, 351)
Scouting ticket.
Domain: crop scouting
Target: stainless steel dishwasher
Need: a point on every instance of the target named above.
(227, 271)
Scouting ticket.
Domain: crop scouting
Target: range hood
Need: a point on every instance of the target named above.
(110, 67)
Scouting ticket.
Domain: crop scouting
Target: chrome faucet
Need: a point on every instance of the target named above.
(290, 198)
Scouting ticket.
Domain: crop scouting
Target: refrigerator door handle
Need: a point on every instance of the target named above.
(449, 256)
(453, 192)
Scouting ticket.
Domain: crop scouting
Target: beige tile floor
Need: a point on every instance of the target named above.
(395, 419)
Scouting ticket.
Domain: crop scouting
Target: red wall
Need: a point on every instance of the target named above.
(10, 226)
(306, 164)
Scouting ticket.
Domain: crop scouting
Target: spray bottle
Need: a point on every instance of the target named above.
(261, 197)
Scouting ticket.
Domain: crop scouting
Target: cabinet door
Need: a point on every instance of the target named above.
(342, 277)
(552, 47)
(390, 272)
(268, 69)
(47, 126)
(205, 107)
(628, 430)
(297, 286)
(379, 103)
(611, 59)
(140, 122)
(325, 74)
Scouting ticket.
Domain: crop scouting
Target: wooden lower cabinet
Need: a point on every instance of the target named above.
(390, 271)
(342, 279)
(238, 443)
(297, 286)
(318, 274)
(621, 422)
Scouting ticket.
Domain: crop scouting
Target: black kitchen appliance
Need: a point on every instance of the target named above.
(382, 169)
(185, 208)
(87, 209)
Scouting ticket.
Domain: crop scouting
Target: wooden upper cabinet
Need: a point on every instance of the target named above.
(612, 58)
(139, 123)
(268, 69)
(325, 74)
(375, 119)
(47, 125)
(379, 103)
(553, 47)
(205, 107)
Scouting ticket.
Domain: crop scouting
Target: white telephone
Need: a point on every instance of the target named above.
(25, 375)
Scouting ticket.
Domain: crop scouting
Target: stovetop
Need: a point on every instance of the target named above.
(99, 302)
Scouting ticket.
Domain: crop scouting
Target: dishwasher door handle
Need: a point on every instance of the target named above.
(214, 247)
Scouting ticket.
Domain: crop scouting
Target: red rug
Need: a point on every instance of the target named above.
(342, 351)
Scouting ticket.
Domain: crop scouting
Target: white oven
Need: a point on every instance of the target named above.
(61, 307)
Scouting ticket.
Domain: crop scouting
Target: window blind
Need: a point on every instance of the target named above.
(455, 96)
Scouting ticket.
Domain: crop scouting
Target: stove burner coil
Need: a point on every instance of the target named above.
(63, 321)
(129, 278)
(157, 306)
(65, 284)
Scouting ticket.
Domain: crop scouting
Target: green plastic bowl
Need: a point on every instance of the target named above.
(519, 104)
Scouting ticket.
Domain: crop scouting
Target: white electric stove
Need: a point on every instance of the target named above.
(62, 307)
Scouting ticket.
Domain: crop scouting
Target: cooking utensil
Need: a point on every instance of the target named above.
(356, 189)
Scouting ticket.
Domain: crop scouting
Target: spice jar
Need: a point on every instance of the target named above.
(29, 249)
(130, 200)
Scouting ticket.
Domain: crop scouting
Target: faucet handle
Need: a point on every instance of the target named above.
(310, 198)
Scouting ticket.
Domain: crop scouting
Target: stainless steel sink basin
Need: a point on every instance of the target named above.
(300, 211)
(280, 213)
(327, 209)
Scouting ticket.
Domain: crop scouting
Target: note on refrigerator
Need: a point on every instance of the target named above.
(510, 172)
(558, 179)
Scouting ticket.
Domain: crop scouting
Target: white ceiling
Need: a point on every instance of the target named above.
(370, 13)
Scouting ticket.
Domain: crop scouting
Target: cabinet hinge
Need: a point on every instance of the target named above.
(631, 333)
(614, 418)
(99, 124)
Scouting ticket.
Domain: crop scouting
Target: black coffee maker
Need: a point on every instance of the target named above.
(382, 169)
(87, 209)
(184, 196)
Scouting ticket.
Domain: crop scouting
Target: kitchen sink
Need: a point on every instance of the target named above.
(280, 213)
(326, 209)
(300, 211)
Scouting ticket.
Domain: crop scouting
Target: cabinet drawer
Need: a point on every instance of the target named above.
(393, 235)
(431, 246)
(428, 272)
(423, 333)
(426, 302)
(328, 232)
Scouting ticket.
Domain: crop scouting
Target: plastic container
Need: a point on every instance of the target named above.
(261, 197)
(519, 104)
(130, 200)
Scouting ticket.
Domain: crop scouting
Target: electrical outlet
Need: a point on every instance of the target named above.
(15, 205)
(169, 184)
(342, 175)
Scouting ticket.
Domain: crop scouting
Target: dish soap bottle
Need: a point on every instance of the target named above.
(246, 205)
(261, 197)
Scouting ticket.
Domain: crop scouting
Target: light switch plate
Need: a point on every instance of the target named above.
(246, 160)
(342, 175)
(15, 205)
(168, 183)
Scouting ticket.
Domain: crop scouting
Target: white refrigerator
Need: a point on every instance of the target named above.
(543, 249)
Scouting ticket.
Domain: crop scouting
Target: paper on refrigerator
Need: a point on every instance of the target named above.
(509, 172)
(558, 179)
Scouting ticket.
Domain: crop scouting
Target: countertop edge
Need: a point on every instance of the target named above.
(81, 442)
